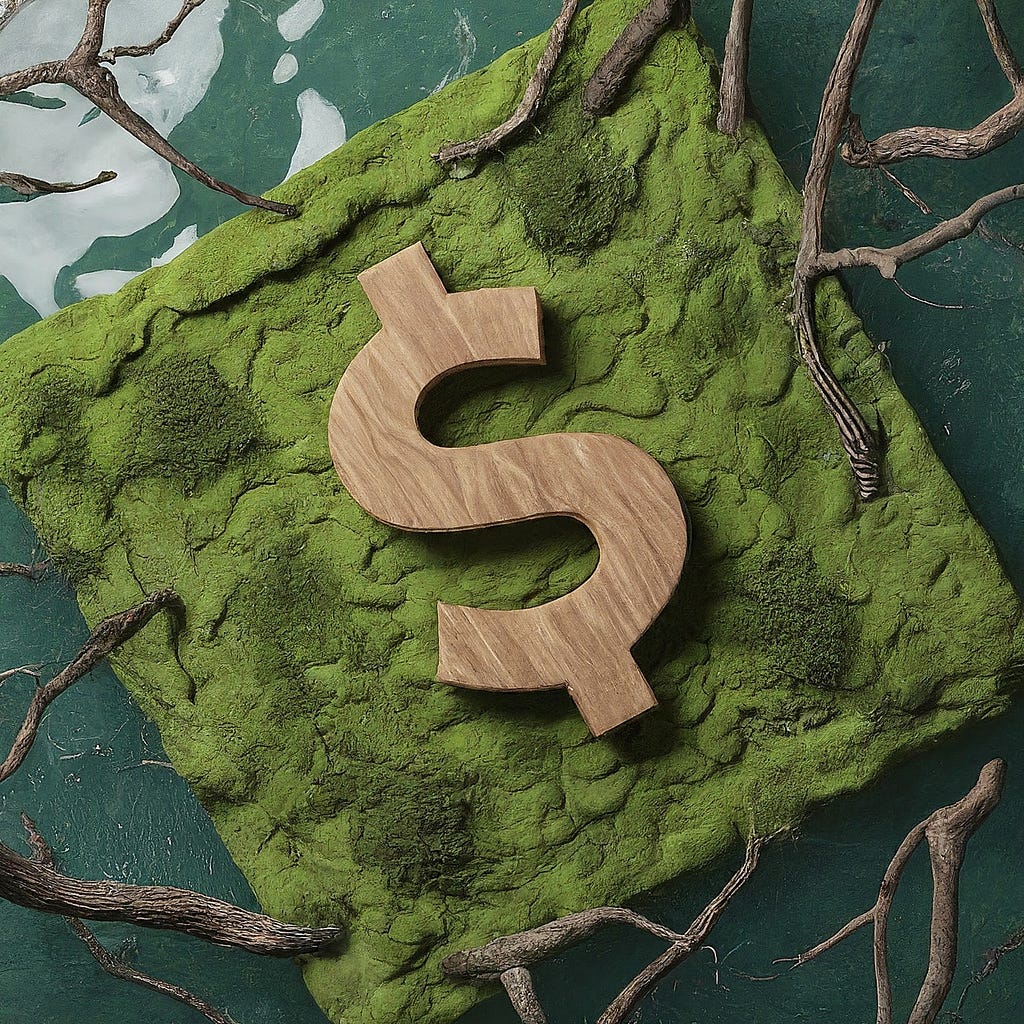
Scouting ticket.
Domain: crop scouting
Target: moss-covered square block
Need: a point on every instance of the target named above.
(176, 433)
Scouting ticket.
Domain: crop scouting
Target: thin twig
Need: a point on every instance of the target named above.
(83, 70)
(529, 106)
(924, 301)
(29, 186)
(908, 193)
(509, 958)
(857, 438)
(111, 55)
(888, 260)
(29, 570)
(108, 635)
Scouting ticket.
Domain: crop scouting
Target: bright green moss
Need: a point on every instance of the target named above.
(176, 434)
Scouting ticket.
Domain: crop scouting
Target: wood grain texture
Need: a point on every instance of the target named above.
(580, 641)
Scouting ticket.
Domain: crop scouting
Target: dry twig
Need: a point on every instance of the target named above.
(952, 143)
(508, 959)
(857, 438)
(947, 832)
(813, 261)
(114, 966)
(37, 885)
(529, 106)
(602, 92)
(84, 71)
(30, 570)
(26, 185)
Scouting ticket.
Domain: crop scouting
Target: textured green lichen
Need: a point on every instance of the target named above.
(176, 434)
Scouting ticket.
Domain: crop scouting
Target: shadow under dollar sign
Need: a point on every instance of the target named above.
(580, 641)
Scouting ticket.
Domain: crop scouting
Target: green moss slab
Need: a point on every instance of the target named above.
(176, 434)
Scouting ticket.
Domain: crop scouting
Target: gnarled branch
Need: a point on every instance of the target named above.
(39, 887)
(509, 958)
(84, 72)
(30, 570)
(111, 55)
(115, 966)
(947, 832)
(26, 185)
(953, 143)
(857, 439)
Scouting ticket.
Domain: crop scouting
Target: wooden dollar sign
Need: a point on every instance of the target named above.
(580, 641)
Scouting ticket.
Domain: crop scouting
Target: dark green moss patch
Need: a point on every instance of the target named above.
(194, 424)
(415, 827)
(798, 623)
(569, 185)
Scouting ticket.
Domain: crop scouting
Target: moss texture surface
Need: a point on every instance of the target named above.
(176, 434)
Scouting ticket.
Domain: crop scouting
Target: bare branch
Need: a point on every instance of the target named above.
(28, 186)
(947, 832)
(528, 107)
(624, 55)
(88, 48)
(10, 10)
(111, 55)
(510, 957)
(857, 439)
(38, 74)
(626, 1002)
(835, 111)
(37, 887)
(524, 949)
(114, 966)
(1001, 45)
(82, 70)
(888, 260)
(732, 95)
(30, 570)
(949, 143)
(952, 143)
(108, 635)
(99, 85)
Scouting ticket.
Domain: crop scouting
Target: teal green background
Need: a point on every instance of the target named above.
(959, 367)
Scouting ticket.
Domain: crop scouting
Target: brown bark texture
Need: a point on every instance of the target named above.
(35, 883)
(732, 94)
(947, 832)
(510, 957)
(602, 92)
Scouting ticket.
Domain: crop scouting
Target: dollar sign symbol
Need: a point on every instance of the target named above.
(580, 641)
